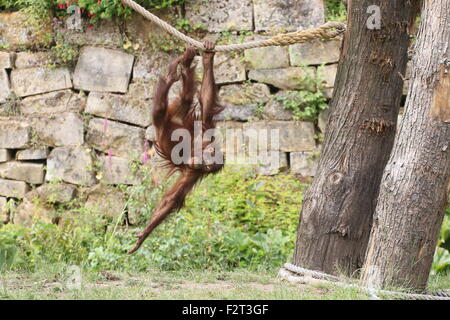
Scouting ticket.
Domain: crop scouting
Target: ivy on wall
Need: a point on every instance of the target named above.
(107, 9)
(92, 9)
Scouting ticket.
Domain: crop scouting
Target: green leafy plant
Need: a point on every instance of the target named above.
(92, 9)
(306, 103)
(335, 11)
(38, 17)
(64, 53)
(441, 262)
(8, 250)
(235, 219)
(186, 26)
(8, 4)
(96, 10)
(259, 109)
(102, 9)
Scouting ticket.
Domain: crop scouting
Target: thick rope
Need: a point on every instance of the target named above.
(329, 30)
(297, 274)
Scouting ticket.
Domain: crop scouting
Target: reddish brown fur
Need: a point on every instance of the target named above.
(181, 114)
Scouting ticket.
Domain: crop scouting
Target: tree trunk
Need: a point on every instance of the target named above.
(413, 192)
(338, 207)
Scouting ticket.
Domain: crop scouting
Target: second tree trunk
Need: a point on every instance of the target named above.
(337, 211)
(413, 191)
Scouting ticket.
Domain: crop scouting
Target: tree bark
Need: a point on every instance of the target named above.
(337, 211)
(413, 192)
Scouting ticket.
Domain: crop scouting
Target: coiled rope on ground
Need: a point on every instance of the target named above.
(329, 30)
(297, 274)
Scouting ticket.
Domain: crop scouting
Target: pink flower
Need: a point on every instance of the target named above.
(110, 158)
(145, 157)
(105, 121)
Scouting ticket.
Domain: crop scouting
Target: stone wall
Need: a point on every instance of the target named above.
(79, 127)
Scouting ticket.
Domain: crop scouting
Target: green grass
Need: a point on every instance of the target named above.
(49, 283)
(440, 281)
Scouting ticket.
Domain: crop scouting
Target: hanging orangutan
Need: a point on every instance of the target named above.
(180, 114)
